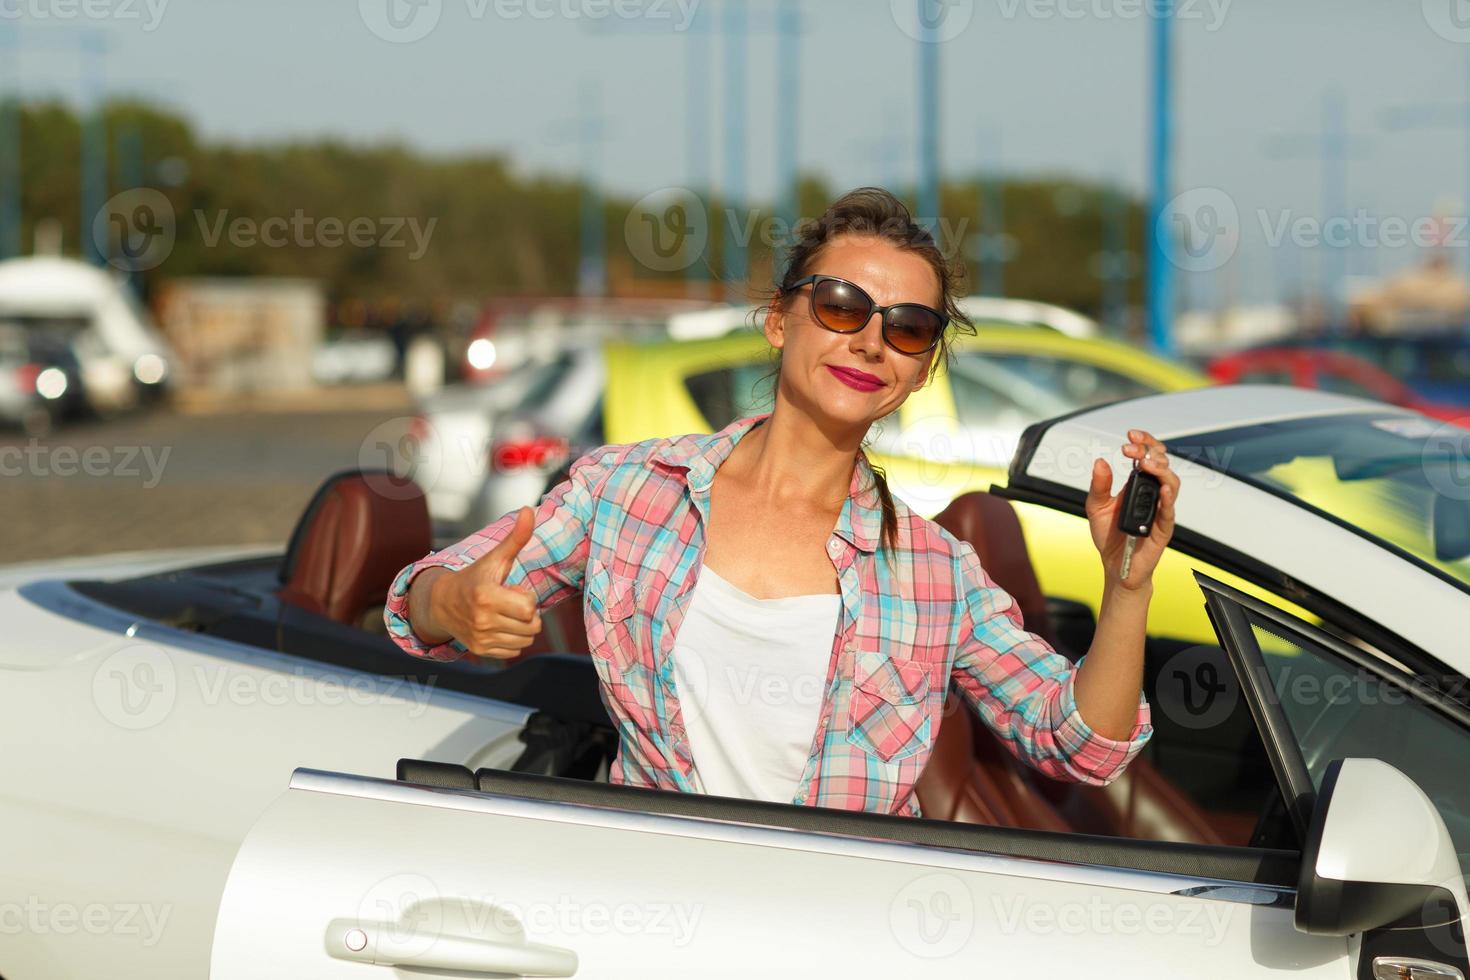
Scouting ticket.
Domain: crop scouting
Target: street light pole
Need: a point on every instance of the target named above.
(1160, 256)
(928, 117)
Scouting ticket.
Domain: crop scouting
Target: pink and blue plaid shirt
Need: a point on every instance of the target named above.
(627, 529)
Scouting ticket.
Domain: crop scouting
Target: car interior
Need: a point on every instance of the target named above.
(324, 600)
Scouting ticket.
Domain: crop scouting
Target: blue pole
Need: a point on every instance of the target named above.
(734, 196)
(10, 202)
(1465, 203)
(928, 117)
(1115, 271)
(788, 112)
(1160, 263)
(129, 156)
(1334, 181)
(696, 126)
(992, 222)
(592, 272)
(94, 145)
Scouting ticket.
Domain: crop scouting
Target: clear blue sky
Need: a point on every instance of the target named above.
(1064, 83)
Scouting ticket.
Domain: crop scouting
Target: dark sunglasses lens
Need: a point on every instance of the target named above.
(913, 329)
(841, 306)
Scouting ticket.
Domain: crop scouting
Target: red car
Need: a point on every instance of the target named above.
(1344, 374)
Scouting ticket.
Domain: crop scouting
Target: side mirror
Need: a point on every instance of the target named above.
(1377, 854)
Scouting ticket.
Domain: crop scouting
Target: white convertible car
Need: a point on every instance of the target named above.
(216, 764)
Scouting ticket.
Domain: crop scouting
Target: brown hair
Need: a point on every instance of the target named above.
(874, 211)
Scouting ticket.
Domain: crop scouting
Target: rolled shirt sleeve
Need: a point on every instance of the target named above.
(551, 564)
(1025, 691)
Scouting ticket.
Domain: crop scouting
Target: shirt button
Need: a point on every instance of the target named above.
(834, 546)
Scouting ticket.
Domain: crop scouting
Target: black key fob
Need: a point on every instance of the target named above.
(1139, 501)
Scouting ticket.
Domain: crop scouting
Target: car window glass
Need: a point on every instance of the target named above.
(1395, 477)
(732, 392)
(1447, 362)
(1343, 385)
(548, 378)
(1339, 710)
(1001, 393)
(1078, 383)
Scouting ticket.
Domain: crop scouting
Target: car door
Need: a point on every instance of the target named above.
(1319, 698)
(498, 873)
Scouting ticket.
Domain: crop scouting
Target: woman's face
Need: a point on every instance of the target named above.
(817, 364)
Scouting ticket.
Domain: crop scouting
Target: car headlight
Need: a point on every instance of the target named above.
(51, 383)
(481, 354)
(150, 369)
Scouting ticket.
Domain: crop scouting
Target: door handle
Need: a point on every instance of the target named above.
(387, 944)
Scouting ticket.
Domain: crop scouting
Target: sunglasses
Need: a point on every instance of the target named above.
(842, 307)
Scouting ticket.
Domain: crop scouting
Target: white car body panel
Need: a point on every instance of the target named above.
(634, 894)
(90, 825)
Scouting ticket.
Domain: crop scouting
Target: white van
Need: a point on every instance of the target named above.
(123, 357)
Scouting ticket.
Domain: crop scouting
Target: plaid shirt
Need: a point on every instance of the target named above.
(627, 528)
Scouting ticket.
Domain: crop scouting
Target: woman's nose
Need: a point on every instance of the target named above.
(869, 340)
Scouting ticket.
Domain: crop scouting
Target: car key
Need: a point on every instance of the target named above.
(1139, 501)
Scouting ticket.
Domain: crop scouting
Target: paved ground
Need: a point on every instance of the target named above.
(201, 473)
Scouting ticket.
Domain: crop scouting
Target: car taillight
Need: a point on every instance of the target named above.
(26, 375)
(542, 452)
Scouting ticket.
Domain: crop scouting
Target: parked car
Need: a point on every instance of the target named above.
(40, 380)
(124, 357)
(1300, 811)
(1436, 365)
(1329, 370)
(448, 449)
(513, 332)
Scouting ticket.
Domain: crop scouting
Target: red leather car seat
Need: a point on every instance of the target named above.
(359, 530)
(1140, 803)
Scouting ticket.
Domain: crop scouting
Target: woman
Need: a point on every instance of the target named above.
(765, 619)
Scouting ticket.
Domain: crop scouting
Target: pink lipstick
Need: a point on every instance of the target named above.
(861, 380)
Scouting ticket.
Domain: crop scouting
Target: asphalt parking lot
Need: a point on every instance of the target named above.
(188, 475)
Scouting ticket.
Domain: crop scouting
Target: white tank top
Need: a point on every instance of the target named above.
(751, 674)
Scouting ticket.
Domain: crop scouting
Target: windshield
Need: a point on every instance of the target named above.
(1403, 480)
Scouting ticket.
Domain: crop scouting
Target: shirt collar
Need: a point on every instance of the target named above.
(861, 520)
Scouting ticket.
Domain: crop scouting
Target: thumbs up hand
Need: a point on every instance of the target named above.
(477, 608)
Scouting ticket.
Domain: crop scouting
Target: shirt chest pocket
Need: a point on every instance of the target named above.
(612, 601)
(888, 710)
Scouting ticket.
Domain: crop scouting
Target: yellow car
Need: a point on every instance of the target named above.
(952, 436)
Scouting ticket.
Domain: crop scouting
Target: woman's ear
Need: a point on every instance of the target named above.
(775, 326)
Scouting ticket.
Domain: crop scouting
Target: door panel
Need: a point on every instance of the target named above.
(147, 759)
(637, 894)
